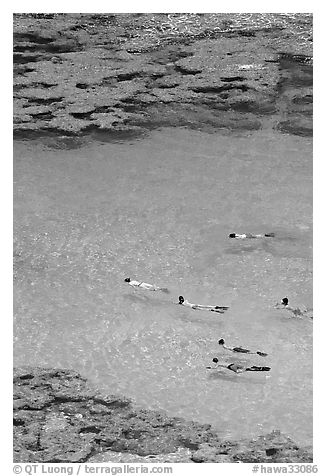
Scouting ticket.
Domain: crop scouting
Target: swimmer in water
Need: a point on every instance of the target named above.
(147, 286)
(202, 307)
(238, 368)
(240, 349)
(243, 236)
(284, 304)
(297, 312)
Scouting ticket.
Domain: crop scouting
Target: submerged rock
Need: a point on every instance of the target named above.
(75, 73)
(59, 418)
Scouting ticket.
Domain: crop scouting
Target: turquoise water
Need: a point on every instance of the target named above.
(160, 209)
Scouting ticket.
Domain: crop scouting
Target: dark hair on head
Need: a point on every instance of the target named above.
(221, 341)
(215, 360)
(285, 301)
(127, 280)
(232, 235)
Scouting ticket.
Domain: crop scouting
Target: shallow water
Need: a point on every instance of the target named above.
(160, 209)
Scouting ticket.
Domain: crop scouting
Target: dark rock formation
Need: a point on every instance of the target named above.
(59, 418)
(76, 73)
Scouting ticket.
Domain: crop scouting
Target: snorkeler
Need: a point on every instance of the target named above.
(240, 349)
(296, 311)
(202, 307)
(142, 285)
(243, 236)
(238, 368)
(284, 304)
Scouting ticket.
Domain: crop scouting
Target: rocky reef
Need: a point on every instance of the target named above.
(76, 74)
(60, 418)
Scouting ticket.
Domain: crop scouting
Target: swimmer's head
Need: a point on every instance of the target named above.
(127, 280)
(221, 342)
(181, 300)
(232, 235)
(215, 360)
(285, 301)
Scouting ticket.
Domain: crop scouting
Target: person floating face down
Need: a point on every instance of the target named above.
(238, 368)
(243, 236)
(149, 287)
(240, 349)
(202, 307)
(295, 311)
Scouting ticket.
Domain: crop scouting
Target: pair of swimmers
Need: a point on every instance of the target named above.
(182, 300)
(236, 367)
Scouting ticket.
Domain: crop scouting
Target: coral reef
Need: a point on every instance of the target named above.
(127, 73)
(60, 418)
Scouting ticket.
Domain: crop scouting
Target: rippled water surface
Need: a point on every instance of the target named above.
(160, 209)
